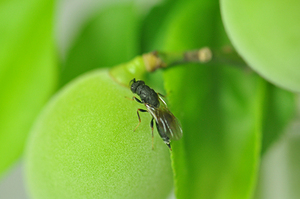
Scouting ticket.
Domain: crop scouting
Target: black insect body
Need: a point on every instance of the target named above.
(166, 123)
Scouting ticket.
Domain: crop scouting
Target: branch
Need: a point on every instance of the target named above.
(156, 59)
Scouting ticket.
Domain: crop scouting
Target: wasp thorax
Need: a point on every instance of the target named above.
(135, 84)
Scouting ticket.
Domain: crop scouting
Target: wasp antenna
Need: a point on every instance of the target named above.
(132, 81)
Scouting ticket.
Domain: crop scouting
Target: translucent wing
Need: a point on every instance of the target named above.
(166, 122)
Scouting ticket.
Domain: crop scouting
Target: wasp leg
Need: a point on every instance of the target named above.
(134, 98)
(128, 98)
(151, 124)
(162, 95)
(141, 110)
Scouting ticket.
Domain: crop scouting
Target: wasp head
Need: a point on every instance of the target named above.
(134, 84)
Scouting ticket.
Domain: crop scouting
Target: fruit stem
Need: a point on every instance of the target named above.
(125, 72)
(156, 59)
(152, 61)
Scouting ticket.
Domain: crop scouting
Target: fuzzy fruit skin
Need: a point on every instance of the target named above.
(267, 36)
(83, 145)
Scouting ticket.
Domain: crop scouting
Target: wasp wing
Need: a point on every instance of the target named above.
(166, 122)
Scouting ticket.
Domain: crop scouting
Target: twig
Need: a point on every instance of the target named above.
(155, 60)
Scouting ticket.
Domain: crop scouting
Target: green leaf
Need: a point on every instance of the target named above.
(279, 110)
(27, 71)
(221, 123)
(110, 38)
(153, 24)
(83, 145)
(221, 109)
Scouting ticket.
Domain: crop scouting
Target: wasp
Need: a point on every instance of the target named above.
(167, 125)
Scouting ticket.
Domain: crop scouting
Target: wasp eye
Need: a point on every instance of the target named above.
(133, 87)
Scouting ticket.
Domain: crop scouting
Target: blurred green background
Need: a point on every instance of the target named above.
(240, 132)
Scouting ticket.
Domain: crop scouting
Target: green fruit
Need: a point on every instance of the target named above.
(267, 35)
(83, 145)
